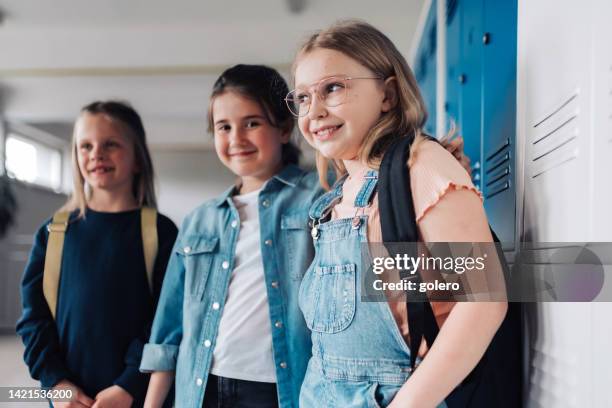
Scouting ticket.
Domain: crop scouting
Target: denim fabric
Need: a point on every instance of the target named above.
(194, 291)
(359, 358)
(231, 393)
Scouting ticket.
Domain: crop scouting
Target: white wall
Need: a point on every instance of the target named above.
(185, 179)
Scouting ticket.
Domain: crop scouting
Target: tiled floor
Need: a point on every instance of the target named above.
(13, 371)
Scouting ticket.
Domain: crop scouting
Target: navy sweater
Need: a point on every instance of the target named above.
(104, 308)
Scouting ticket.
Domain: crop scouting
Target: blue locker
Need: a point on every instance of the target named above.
(480, 96)
(470, 79)
(425, 68)
(499, 41)
(452, 104)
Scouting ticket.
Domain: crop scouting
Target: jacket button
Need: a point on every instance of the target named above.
(283, 364)
(215, 305)
(274, 284)
(225, 265)
(207, 343)
(268, 242)
(265, 203)
(278, 324)
(234, 224)
(187, 249)
(199, 382)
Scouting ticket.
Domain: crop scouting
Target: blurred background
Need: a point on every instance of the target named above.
(527, 83)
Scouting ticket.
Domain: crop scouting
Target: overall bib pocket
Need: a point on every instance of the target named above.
(329, 294)
(198, 252)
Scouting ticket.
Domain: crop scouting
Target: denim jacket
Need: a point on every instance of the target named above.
(197, 279)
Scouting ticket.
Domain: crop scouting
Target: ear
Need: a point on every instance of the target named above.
(390, 94)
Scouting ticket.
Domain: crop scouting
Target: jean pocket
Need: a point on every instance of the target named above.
(297, 244)
(198, 252)
(330, 307)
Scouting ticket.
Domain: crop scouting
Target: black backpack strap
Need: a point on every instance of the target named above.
(398, 221)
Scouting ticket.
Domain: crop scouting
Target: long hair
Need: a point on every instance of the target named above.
(128, 121)
(375, 51)
(267, 87)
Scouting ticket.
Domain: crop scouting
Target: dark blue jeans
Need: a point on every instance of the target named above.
(224, 392)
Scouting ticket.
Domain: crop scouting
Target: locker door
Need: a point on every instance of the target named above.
(470, 79)
(425, 68)
(454, 62)
(555, 120)
(601, 214)
(499, 116)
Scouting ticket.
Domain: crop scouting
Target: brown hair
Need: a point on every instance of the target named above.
(129, 122)
(375, 51)
(267, 87)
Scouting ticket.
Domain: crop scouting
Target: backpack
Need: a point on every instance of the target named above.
(55, 245)
(496, 381)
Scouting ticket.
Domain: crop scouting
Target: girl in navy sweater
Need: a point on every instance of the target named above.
(104, 304)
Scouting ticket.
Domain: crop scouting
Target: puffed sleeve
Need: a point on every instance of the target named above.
(433, 173)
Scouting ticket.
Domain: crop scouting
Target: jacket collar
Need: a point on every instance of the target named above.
(290, 175)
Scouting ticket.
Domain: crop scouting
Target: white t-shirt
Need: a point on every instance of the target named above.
(244, 343)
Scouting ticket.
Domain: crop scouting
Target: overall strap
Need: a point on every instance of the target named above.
(53, 258)
(321, 204)
(150, 244)
(366, 194)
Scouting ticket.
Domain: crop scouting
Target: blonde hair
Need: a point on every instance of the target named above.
(375, 51)
(128, 121)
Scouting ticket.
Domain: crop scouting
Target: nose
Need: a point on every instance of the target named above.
(236, 136)
(96, 152)
(317, 108)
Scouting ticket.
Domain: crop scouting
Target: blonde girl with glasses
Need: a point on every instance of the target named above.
(355, 95)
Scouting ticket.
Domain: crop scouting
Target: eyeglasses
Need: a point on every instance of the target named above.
(332, 91)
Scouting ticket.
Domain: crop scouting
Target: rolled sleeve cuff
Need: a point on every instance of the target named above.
(158, 357)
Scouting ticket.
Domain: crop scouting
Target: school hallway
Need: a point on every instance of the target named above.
(527, 84)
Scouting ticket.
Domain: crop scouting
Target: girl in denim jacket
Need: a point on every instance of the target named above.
(354, 95)
(228, 329)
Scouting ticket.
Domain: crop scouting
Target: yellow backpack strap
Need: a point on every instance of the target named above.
(148, 225)
(53, 258)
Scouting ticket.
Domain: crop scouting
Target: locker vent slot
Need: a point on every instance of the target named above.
(497, 170)
(549, 359)
(554, 139)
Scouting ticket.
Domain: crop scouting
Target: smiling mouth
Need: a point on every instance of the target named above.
(242, 154)
(101, 170)
(326, 133)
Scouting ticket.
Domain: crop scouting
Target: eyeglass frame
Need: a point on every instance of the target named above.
(316, 86)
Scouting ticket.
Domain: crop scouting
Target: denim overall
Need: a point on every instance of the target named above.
(359, 358)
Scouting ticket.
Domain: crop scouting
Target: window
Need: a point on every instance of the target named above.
(33, 162)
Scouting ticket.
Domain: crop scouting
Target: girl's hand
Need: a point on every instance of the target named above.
(79, 399)
(455, 147)
(113, 397)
